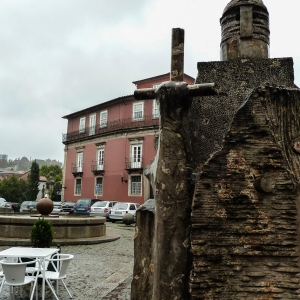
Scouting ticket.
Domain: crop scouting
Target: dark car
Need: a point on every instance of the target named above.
(28, 206)
(13, 205)
(83, 206)
(68, 207)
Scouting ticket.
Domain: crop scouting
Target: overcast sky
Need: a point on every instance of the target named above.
(61, 56)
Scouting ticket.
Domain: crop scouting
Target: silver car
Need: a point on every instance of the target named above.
(122, 208)
(102, 208)
(57, 207)
(2, 202)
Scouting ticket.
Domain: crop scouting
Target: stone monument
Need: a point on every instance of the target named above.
(226, 176)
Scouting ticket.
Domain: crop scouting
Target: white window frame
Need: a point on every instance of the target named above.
(100, 159)
(82, 124)
(79, 164)
(135, 186)
(99, 187)
(78, 187)
(92, 127)
(136, 155)
(155, 109)
(103, 118)
(138, 111)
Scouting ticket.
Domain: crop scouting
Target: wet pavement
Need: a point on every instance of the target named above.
(99, 271)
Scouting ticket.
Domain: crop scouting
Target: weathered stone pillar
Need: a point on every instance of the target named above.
(142, 283)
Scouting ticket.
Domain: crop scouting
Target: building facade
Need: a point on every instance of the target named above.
(107, 147)
(3, 157)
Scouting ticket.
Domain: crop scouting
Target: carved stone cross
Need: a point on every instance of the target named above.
(177, 71)
(172, 181)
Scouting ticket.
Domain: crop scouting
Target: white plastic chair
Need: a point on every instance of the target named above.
(15, 275)
(37, 267)
(60, 267)
(1, 277)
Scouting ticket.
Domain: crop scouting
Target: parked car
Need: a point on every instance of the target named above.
(13, 205)
(102, 208)
(28, 206)
(68, 207)
(24, 205)
(83, 206)
(122, 208)
(2, 202)
(57, 206)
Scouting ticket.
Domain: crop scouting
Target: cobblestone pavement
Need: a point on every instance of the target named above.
(100, 271)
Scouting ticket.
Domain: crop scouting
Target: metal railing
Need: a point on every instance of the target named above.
(111, 126)
(134, 163)
(77, 168)
(97, 166)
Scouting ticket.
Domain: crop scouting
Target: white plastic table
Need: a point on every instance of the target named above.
(39, 253)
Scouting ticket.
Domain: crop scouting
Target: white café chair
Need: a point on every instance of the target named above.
(15, 275)
(1, 277)
(60, 263)
(38, 266)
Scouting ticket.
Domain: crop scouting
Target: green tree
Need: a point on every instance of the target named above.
(57, 178)
(56, 188)
(42, 233)
(56, 169)
(13, 189)
(33, 181)
(10, 163)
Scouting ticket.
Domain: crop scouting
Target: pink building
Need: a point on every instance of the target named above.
(107, 147)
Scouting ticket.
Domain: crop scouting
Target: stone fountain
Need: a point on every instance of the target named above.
(69, 229)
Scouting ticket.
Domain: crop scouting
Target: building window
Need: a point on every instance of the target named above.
(99, 186)
(100, 160)
(82, 125)
(78, 186)
(136, 157)
(92, 124)
(103, 118)
(79, 161)
(138, 111)
(136, 185)
(155, 109)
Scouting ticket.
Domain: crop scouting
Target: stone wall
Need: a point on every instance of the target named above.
(236, 237)
(211, 116)
(244, 218)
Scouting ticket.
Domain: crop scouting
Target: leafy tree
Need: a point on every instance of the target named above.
(56, 169)
(11, 163)
(33, 181)
(13, 189)
(57, 178)
(54, 196)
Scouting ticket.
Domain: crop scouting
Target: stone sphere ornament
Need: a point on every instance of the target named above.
(128, 219)
(45, 206)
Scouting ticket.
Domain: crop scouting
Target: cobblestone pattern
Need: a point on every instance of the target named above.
(100, 271)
